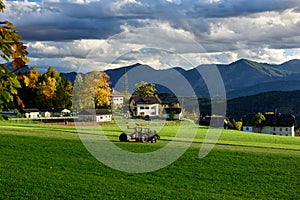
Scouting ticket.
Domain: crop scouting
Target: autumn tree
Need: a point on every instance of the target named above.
(92, 90)
(259, 121)
(29, 86)
(54, 90)
(31, 78)
(144, 89)
(103, 91)
(47, 88)
(47, 84)
(14, 51)
(63, 93)
(238, 125)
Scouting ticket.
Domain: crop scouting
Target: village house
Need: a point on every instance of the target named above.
(216, 121)
(172, 113)
(117, 98)
(280, 124)
(55, 112)
(171, 109)
(144, 106)
(92, 115)
(31, 113)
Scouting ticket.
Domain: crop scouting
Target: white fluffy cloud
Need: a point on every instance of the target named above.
(68, 34)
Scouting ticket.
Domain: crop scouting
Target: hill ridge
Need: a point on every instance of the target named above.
(238, 77)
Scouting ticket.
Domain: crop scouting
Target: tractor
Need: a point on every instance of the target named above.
(139, 134)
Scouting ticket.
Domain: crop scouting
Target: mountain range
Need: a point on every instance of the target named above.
(240, 78)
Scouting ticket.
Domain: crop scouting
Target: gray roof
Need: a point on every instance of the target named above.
(145, 100)
(279, 120)
(116, 93)
(94, 112)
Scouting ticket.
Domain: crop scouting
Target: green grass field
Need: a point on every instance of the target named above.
(48, 162)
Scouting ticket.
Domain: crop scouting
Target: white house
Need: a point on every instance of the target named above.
(46, 114)
(281, 124)
(172, 113)
(55, 112)
(144, 106)
(103, 115)
(31, 113)
(92, 115)
(117, 98)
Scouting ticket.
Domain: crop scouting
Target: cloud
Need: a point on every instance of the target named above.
(68, 32)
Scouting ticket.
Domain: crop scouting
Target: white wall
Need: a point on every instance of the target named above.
(117, 100)
(146, 109)
(247, 128)
(103, 118)
(32, 115)
(284, 131)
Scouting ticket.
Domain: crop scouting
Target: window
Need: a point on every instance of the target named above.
(147, 108)
(247, 128)
(286, 129)
(280, 129)
(142, 108)
(274, 129)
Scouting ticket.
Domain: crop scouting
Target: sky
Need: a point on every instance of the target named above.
(85, 35)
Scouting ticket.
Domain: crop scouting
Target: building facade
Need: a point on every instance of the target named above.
(144, 106)
(280, 124)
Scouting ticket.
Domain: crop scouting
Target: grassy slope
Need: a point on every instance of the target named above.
(50, 162)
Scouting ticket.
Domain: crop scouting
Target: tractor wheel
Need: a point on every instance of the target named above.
(145, 138)
(123, 137)
(153, 140)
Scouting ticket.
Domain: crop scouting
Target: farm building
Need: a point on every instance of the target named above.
(280, 124)
(117, 98)
(144, 106)
(31, 113)
(55, 112)
(172, 113)
(92, 115)
(216, 121)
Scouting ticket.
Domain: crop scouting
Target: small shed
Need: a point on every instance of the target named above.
(66, 112)
(90, 115)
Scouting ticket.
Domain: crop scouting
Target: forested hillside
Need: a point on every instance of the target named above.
(276, 101)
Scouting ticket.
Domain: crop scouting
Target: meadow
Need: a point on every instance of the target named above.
(39, 161)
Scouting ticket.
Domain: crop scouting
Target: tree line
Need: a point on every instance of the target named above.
(53, 90)
(50, 89)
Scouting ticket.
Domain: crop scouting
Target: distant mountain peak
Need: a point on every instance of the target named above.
(23, 70)
(242, 77)
(293, 61)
